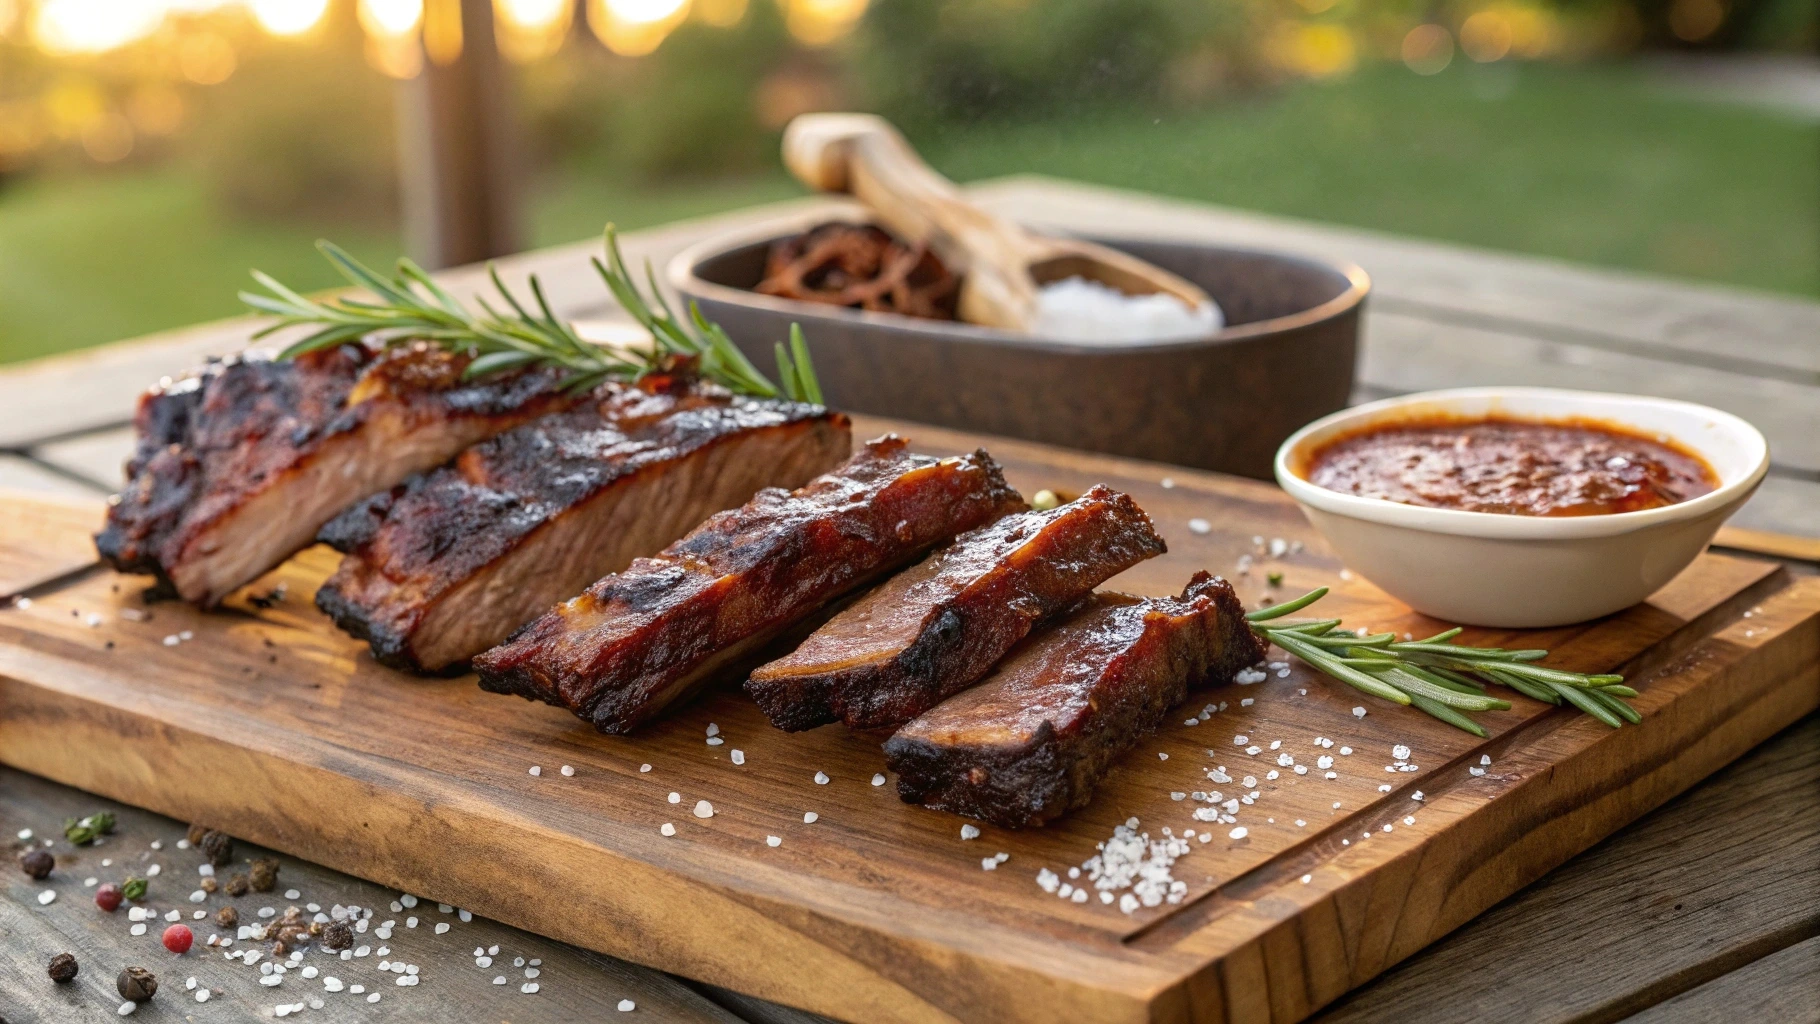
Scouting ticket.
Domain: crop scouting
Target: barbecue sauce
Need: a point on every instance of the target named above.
(1514, 467)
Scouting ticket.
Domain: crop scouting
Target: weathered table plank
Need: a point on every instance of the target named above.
(572, 984)
(1722, 875)
(1783, 987)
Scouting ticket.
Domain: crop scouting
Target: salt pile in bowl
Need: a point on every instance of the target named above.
(1076, 309)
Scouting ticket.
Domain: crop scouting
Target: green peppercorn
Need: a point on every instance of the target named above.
(1275, 579)
(82, 831)
(133, 888)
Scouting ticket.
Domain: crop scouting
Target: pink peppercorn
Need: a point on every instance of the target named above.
(108, 897)
(177, 938)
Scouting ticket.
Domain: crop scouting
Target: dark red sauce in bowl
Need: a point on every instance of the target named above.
(1510, 466)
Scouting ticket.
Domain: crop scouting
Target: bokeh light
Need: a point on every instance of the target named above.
(108, 138)
(1318, 50)
(206, 58)
(820, 22)
(1486, 36)
(93, 26)
(1693, 21)
(1428, 49)
(633, 28)
(530, 30)
(288, 17)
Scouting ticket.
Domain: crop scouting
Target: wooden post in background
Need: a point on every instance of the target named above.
(457, 146)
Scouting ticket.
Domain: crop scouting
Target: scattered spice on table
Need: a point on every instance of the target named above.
(136, 984)
(108, 897)
(83, 831)
(37, 864)
(262, 874)
(63, 968)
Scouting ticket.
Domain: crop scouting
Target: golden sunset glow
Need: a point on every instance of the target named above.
(288, 17)
(633, 28)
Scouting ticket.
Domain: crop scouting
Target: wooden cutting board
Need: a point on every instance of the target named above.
(269, 724)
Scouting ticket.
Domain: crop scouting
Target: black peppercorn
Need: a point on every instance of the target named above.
(63, 968)
(337, 936)
(218, 847)
(37, 863)
(236, 886)
(195, 834)
(227, 917)
(208, 884)
(136, 984)
(263, 874)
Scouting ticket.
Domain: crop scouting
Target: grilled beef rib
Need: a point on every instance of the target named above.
(635, 642)
(450, 562)
(938, 627)
(1031, 741)
(240, 463)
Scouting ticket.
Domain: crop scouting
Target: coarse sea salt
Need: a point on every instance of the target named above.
(1076, 309)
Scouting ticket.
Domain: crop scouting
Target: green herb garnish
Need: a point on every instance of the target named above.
(1441, 678)
(411, 306)
(82, 831)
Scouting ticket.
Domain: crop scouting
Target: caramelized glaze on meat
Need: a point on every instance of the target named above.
(636, 641)
(240, 463)
(449, 563)
(939, 626)
(1033, 740)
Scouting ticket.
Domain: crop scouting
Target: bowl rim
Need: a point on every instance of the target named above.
(680, 272)
(1494, 525)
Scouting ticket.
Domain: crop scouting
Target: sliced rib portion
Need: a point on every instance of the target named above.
(452, 561)
(938, 627)
(1032, 741)
(637, 641)
(239, 464)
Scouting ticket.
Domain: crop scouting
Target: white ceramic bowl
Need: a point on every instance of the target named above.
(1525, 571)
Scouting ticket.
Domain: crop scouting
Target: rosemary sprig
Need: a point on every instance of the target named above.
(1444, 679)
(509, 334)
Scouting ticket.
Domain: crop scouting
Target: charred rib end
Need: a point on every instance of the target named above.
(789, 705)
(1016, 787)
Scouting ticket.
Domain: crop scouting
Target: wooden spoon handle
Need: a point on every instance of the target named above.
(864, 155)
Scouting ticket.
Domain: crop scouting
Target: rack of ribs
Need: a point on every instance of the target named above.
(1031, 741)
(635, 642)
(939, 627)
(239, 463)
(450, 562)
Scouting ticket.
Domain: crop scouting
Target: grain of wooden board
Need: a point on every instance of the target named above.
(571, 984)
(44, 538)
(880, 911)
(1708, 886)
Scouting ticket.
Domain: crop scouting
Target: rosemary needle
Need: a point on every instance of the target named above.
(1441, 678)
(510, 334)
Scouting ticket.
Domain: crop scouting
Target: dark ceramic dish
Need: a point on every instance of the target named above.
(1224, 402)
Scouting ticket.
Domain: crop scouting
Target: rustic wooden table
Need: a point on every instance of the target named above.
(1707, 907)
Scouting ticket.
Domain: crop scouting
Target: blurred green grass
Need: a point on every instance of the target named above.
(1599, 165)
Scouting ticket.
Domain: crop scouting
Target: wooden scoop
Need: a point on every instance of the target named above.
(1003, 265)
